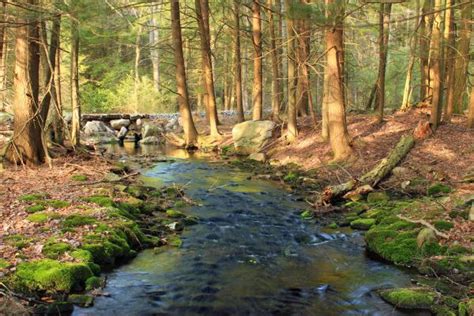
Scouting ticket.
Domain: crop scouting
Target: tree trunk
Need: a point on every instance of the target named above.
(462, 56)
(238, 64)
(3, 58)
(385, 10)
(154, 43)
(435, 67)
(333, 89)
(75, 101)
(190, 132)
(292, 132)
(27, 145)
(257, 92)
(450, 53)
(425, 31)
(470, 117)
(276, 91)
(58, 121)
(202, 12)
(303, 48)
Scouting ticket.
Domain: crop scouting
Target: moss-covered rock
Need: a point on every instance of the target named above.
(94, 282)
(377, 197)
(363, 223)
(333, 225)
(410, 298)
(4, 264)
(82, 255)
(81, 300)
(307, 214)
(55, 250)
(438, 189)
(77, 220)
(466, 308)
(100, 200)
(175, 241)
(426, 236)
(175, 214)
(51, 275)
(57, 204)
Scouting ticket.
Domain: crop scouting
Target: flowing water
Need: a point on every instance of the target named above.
(251, 254)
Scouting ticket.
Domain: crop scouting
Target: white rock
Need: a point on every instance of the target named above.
(118, 124)
(251, 136)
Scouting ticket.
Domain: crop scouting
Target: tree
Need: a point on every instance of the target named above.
(276, 90)
(202, 13)
(292, 132)
(238, 64)
(27, 145)
(190, 132)
(384, 24)
(426, 22)
(450, 53)
(75, 98)
(470, 117)
(334, 114)
(435, 67)
(303, 50)
(3, 57)
(257, 92)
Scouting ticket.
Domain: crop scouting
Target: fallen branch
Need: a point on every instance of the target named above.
(101, 181)
(424, 223)
(374, 176)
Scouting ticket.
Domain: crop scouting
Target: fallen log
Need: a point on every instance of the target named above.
(374, 176)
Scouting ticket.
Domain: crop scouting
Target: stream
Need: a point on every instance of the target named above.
(250, 254)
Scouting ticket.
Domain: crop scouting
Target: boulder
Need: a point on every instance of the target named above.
(172, 124)
(410, 298)
(118, 124)
(94, 128)
(251, 136)
(150, 140)
(123, 132)
(258, 157)
(471, 213)
(151, 130)
(426, 236)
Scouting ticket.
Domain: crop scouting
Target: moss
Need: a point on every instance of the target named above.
(38, 217)
(51, 275)
(466, 308)
(433, 249)
(81, 300)
(174, 214)
(395, 240)
(377, 197)
(333, 225)
(4, 264)
(179, 204)
(441, 310)
(443, 225)
(291, 177)
(438, 189)
(35, 208)
(17, 240)
(175, 241)
(55, 250)
(191, 220)
(94, 282)
(457, 249)
(77, 220)
(57, 203)
(100, 200)
(410, 298)
(82, 255)
(33, 197)
(79, 177)
(363, 223)
(357, 207)
(306, 214)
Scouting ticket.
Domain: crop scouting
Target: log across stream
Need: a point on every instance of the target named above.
(250, 254)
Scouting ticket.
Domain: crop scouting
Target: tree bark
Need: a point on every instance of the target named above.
(304, 38)
(385, 10)
(3, 58)
(333, 103)
(202, 12)
(75, 100)
(470, 117)
(450, 53)
(154, 43)
(292, 132)
(462, 57)
(435, 67)
(238, 64)
(424, 37)
(257, 91)
(190, 132)
(27, 144)
(276, 90)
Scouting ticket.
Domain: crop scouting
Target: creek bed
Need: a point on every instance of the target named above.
(250, 254)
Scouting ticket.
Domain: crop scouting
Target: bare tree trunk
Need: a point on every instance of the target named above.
(333, 87)
(292, 132)
(303, 48)
(58, 121)
(435, 67)
(470, 116)
(154, 43)
(257, 92)
(462, 57)
(3, 56)
(450, 53)
(27, 145)
(136, 68)
(190, 132)
(425, 31)
(238, 64)
(202, 12)
(276, 91)
(385, 10)
(75, 101)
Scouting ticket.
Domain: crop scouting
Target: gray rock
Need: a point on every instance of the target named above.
(151, 130)
(150, 140)
(172, 124)
(258, 157)
(123, 132)
(426, 235)
(118, 124)
(251, 136)
(94, 128)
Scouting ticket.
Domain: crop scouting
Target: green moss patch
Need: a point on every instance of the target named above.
(51, 275)
(77, 220)
(33, 197)
(174, 214)
(377, 197)
(443, 225)
(38, 217)
(363, 223)
(410, 298)
(57, 204)
(55, 250)
(100, 200)
(17, 240)
(35, 208)
(4, 264)
(79, 177)
(438, 189)
(94, 282)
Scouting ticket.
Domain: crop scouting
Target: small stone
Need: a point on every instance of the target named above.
(400, 172)
(258, 157)
(426, 236)
(111, 177)
(471, 213)
(175, 226)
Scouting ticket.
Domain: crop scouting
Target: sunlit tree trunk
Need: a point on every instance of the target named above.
(3, 58)
(202, 12)
(462, 55)
(75, 101)
(470, 117)
(292, 132)
(257, 91)
(58, 121)
(450, 53)
(136, 68)
(190, 132)
(304, 38)
(424, 37)
(238, 64)
(435, 67)
(276, 90)
(27, 146)
(154, 44)
(333, 86)
(385, 10)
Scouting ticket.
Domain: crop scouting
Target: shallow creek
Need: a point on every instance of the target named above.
(251, 254)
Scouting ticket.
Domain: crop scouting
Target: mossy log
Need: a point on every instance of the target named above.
(374, 176)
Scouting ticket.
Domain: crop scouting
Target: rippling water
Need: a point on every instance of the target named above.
(251, 254)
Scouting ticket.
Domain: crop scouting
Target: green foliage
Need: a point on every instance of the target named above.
(103, 201)
(93, 283)
(307, 214)
(174, 214)
(438, 189)
(82, 255)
